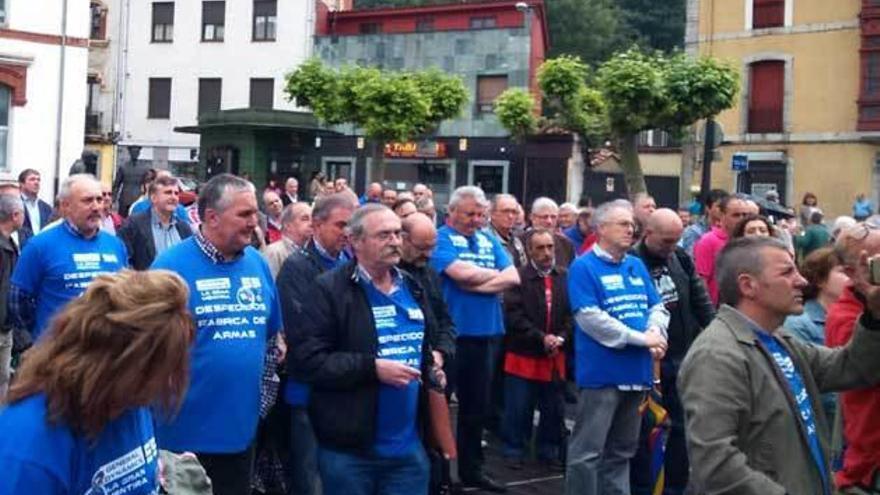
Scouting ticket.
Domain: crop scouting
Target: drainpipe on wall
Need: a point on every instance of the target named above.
(60, 113)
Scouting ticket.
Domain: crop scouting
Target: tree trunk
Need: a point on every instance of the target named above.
(688, 165)
(630, 164)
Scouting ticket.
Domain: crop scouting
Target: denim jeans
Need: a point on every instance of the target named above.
(304, 478)
(521, 396)
(476, 361)
(605, 438)
(349, 474)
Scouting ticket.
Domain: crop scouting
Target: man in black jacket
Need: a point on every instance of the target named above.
(419, 241)
(534, 362)
(690, 309)
(296, 285)
(366, 353)
(11, 219)
(149, 233)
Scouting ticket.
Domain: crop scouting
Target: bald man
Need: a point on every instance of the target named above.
(690, 310)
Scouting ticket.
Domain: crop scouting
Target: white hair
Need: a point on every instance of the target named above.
(67, 184)
(602, 212)
(468, 192)
(544, 203)
(568, 207)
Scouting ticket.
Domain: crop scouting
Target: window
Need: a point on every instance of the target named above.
(482, 22)
(768, 13)
(265, 12)
(159, 105)
(871, 62)
(766, 96)
(213, 20)
(488, 88)
(5, 97)
(93, 116)
(99, 22)
(261, 93)
(209, 95)
(370, 28)
(425, 24)
(163, 22)
(2, 16)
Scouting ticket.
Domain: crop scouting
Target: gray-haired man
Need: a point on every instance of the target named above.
(11, 219)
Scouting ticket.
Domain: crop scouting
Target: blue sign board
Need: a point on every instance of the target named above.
(739, 162)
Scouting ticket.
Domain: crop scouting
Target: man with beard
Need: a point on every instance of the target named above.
(367, 353)
(58, 264)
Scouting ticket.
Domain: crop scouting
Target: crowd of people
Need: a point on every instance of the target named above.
(257, 342)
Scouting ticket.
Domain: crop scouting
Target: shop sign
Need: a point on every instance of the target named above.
(415, 149)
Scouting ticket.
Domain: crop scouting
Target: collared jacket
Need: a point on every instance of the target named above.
(8, 258)
(525, 311)
(430, 281)
(744, 431)
(337, 357)
(137, 234)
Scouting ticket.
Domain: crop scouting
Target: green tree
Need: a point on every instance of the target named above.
(590, 29)
(646, 91)
(515, 108)
(387, 106)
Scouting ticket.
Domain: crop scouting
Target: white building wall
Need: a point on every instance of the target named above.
(32, 135)
(235, 60)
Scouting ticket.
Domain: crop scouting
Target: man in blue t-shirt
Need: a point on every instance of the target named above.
(58, 264)
(236, 311)
(621, 326)
(475, 269)
(751, 391)
(365, 349)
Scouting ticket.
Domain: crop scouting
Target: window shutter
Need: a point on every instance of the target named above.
(210, 90)
(261, 93)
(265, 8)
(163, 13)
(768, 14)
(488, 89)
(213, 12)
(766, 96)
(160, 98)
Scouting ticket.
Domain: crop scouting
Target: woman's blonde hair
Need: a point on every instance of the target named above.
(124, 343)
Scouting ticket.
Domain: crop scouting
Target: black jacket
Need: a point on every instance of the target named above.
(525, 311)
(694, 307)
(27, 230)
(137, 234)
(430, 281)
(337, 357)
(296, 287)
(8, 259)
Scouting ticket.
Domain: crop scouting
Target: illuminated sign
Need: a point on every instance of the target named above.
(413, 149)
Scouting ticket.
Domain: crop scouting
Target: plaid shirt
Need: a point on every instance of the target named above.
(211, 250)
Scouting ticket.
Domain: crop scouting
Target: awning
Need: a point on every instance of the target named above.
(257, 119)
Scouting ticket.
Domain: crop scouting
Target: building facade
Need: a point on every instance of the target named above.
(492, 46)
(101, 115)
(808, 115)
(188, 58)
(43, 64)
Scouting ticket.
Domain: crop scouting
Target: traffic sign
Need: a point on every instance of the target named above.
(739, 162)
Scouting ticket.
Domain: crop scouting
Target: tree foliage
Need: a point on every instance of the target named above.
(515, 108)
(386, 105)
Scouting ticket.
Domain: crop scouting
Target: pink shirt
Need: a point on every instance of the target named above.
(705, 253)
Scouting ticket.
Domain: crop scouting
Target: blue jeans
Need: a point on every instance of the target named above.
(476, 360)
(605, 438)
(520, 398)
(348, 474)
(304, 478)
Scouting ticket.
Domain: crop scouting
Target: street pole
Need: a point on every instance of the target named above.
(708, 146)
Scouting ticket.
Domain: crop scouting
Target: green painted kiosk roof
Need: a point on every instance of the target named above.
(256, 119)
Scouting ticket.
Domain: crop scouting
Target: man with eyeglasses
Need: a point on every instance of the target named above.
(861, 408)
(367, 351)
(545, 215)
(621, 328)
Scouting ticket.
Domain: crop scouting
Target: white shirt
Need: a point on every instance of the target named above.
(33, 210)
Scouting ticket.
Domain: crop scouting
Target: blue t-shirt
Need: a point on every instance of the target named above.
(58, 264)
(474, 314)
(801, 396)
(236, 310)
(625, 291)
(400, 328)
(144, 204)
(49, 459)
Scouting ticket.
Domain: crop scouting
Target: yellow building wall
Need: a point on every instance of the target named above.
(833, 172)
(666, 164)
(106, 161)
(729, 16)
(825, 88)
